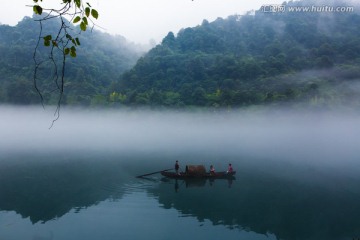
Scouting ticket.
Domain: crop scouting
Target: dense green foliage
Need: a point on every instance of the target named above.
(262, 58)
(101, 58)
(254, 59)
(62, 39)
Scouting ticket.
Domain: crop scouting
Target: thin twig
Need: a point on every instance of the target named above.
(37, 65)
(60, 42)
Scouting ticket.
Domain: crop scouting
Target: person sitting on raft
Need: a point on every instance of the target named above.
(230, 169)
(212, 170)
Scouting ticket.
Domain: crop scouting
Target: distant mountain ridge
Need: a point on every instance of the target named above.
(309, 58)
(253, 59)
(100, 60)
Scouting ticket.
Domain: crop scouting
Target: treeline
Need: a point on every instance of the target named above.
(259, 58)
(101, 59)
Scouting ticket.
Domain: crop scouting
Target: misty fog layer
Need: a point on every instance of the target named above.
(265, 133)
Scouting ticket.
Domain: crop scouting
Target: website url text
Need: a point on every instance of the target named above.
(277, 8)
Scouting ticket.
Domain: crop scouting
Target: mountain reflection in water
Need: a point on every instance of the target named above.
(303, 206)
(45, 191)
(263, 203)
(291, 202)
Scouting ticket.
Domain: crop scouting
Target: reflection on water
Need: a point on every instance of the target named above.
(44, 190)
(321, 206)
(298, 176)
(201, 182)
(77, 199)
(261, 203)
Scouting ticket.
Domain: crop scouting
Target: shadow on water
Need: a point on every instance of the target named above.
(179, 184)
(289, 201)
(321, 206)
(47, 190)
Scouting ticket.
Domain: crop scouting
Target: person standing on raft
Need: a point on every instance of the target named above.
(177, 166)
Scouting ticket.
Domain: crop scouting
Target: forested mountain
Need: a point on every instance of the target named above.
(309, 57)
(295, 56)
(101, 58)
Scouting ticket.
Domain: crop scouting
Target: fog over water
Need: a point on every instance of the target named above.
(297, 174)
(283, 134)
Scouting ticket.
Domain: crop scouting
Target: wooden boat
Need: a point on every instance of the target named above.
(184, 175)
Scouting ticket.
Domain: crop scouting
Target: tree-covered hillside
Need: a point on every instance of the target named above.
(309, 57)
(101, 58)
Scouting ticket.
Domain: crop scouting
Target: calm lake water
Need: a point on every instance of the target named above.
(298, 175)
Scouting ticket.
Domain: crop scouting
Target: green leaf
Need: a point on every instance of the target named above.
(54, 43)
(83, 26)
(77, 19)
(77, 41)
(87, 11)
(46, 43)
(35, 1)
(68, 36)
(94, 13)
(78, 3)
(37, 9)
(48, 38)
(73, 51)
(67, 51)
(85, 20)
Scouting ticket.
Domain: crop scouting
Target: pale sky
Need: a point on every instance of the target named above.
(142, 20)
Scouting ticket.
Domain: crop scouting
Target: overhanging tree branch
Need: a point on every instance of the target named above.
(63, 41)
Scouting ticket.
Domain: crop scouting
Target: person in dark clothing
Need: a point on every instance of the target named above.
(177, 166)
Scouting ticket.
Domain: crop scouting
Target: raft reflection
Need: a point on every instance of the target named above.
(297, 204)
(196, 182)
(291, 202)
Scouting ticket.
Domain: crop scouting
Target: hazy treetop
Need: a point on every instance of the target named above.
(142, 20)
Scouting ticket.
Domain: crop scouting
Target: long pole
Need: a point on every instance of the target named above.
(154, 173)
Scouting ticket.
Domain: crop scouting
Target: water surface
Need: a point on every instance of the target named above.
(297, 175)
